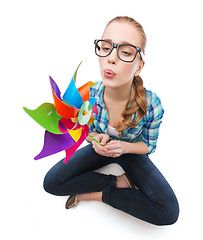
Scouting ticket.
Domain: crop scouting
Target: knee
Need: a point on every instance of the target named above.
(168, 212)
(50, 184)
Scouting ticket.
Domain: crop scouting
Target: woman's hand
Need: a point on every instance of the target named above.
(116, 148)
(101, 150)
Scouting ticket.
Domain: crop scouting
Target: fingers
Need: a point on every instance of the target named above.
(103, 138)
(105, 152)
(113, 148)
(101, 150)
(113, 145)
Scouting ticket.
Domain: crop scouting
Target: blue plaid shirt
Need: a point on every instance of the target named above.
(147, 130)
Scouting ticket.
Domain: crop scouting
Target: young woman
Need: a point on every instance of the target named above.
(127, 126)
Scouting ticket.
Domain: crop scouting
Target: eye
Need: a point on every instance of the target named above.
(105, 46)
(106, 49)
(125, 53)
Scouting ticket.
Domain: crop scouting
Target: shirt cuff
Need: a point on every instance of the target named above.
(150, 147)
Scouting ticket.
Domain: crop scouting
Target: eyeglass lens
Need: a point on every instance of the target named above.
(125, 52)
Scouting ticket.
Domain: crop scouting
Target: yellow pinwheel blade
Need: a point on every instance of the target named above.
(75, 134)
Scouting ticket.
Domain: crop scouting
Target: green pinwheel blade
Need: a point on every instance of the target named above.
(75, 74)
(46, 116)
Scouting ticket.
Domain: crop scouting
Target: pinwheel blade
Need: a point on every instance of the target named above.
(75, 134)
(72, 95)
(70, 151)
(92, 101)
(91, 122)
(84, 91)
(66, 124)
(54, 143)
(62, 109)
(46, 116)
(76, 71)
(55, 88)
(95, 109)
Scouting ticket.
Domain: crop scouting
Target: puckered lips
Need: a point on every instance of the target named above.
(108, 73)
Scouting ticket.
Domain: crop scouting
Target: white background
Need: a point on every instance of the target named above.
(41, 38)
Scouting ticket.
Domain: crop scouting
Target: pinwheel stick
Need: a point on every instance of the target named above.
(95, 140)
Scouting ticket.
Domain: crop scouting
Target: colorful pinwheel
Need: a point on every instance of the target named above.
(68, 120)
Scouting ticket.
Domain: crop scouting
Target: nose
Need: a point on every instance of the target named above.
(112, 57)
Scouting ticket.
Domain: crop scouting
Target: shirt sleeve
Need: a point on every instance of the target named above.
(151, 127)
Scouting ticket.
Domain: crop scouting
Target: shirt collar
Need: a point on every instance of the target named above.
(100, 99)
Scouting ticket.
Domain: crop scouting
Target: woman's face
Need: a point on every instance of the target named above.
(114, 72)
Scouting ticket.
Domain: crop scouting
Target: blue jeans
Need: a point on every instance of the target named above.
(154, 201)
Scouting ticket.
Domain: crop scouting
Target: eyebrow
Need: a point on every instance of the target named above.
(123, 42)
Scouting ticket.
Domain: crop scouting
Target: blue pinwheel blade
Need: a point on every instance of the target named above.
(72, 95)
(92, 101)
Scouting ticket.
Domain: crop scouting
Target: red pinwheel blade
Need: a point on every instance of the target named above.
(71, 150)
(66, 124)
(95, 109)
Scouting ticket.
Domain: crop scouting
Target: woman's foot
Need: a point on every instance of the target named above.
(72, 201)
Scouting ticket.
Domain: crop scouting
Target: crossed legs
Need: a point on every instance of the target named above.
(153, 202)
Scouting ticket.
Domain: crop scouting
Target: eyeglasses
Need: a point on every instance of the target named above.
(125, 52)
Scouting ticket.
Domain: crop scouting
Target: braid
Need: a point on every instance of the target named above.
(136, 104)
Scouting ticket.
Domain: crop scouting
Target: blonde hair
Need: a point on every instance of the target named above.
(137, 102)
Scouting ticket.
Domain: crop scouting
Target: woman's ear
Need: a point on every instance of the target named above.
(142, 63)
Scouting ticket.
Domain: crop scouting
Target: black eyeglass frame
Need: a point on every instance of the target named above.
(117, 45)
